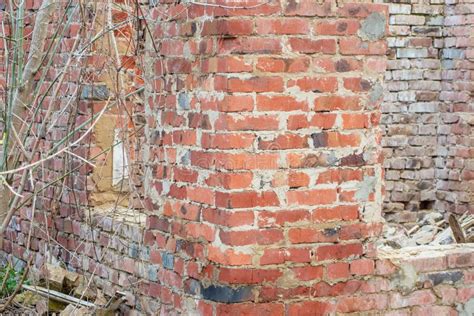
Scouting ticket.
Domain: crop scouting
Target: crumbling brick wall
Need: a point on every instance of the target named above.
(263, 174)
(455, 161)
(427, 120)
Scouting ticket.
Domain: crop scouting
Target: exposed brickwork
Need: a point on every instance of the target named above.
(455, 161)
(426, 113)
(263, 173)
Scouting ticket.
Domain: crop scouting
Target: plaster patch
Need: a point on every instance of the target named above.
(373, 27)
(376, 93)
(466, 309)
(365, 188)
(406, 278)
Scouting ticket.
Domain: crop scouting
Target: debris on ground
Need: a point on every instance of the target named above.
(63, 292)
(433, 229)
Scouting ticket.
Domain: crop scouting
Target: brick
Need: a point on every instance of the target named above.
(282, 218)
(95, 92)
(281, 255)
(342, 288)
(310, 235)
(290, 26)
(250, 308)
(227, 141)
(280, 103)
(395, 8)
(311, 197)
(328, 64)
(234, 103)
(357, 84)
(250, 45)
(298, 179)
(332, 103)
(247, 122)
(228, 256)
(339, 27)
(245, 161)
(457, 260)
(355, 121)
(338, 270)
(310, 308)
(445, 277)
(354, 46)
(271, 64)
(338, 251)
(334, 139)
(412, 53)
(226, 294)
(249, 237)
(226, 64)
(282, 142)
(227, 27)
(361, 10)
(200, 230)
(407, 20)
(308, 46)
(344, 212)
(246, 199)
(228, 218)
(248, 276)
(328, 84)
(362, 267)
(307, 8)
(308, 273)
(362, 303)
(319, 120)
(233, 180)
(255, 84)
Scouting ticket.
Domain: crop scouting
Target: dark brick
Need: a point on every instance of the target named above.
(168, 260)
(342, 65)
(353, 160)
(152, 272)
(445, 277)
(183, 101)
(226, 294)
(320, 139)
(92, 92)
(133, 251)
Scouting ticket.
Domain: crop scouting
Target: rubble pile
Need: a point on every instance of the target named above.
(64, 292)
(433, 229)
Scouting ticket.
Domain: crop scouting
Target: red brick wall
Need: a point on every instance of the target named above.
(262, 133)
(263, 175)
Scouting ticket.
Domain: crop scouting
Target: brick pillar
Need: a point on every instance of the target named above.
(264, 178)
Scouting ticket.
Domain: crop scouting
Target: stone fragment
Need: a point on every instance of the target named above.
(55, 276)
